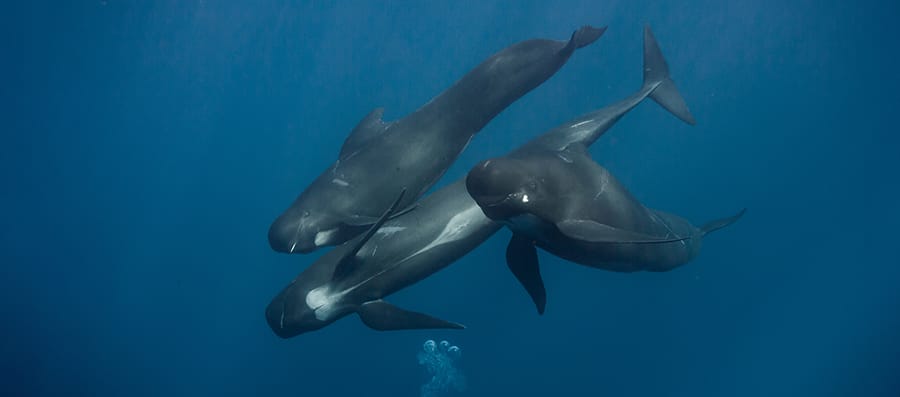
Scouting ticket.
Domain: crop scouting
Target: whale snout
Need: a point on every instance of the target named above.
(275, 318)
(501, 187)
(485, 183)
(492, 182)
(288, 314)
(289, 237)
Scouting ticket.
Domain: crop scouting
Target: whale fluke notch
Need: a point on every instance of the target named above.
(656, 71)
(382, 316)
(369, 127)
(522, 260)
(594, 232)
(348, 262)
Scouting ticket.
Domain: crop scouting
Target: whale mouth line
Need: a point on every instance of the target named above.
(497, 203)
(296, 238)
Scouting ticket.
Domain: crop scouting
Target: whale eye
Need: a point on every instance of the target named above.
(305, 214)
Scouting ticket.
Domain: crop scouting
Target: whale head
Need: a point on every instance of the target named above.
(502, 187)
(302, 230)
(301, 308)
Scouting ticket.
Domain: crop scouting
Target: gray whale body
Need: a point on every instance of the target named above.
(557, 198)
(400, 250)
(378, 159)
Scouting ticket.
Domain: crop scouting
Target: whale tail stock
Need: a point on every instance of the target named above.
(656, 73)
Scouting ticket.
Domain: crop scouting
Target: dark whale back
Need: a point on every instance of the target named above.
(379, 159)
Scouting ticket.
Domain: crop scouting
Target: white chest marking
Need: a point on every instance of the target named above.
(323, 238)
(323, 302)
(340, 182)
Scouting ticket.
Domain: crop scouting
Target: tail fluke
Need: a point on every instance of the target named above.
(583, 36)
(586, 35)
(656, 72)
(717, 224)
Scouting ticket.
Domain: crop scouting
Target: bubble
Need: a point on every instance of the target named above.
(441, 364)
(429, 346)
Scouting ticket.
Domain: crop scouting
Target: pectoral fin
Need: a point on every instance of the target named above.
(348, 262)
(522, 260)
(382, 316)
(720, 223)
(594, 232)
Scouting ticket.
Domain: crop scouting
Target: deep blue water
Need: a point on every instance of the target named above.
(147, 147)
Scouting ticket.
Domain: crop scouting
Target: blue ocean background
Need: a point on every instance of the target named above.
(147, 146)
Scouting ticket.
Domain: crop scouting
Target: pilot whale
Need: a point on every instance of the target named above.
(379, 158)
(568, 205)
(400, 250)
(557, 198)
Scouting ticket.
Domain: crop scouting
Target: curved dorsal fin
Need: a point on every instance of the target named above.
(369, 127)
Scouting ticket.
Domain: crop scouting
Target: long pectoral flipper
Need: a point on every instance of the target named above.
(382, 316)
(522, 260)
(348, 262)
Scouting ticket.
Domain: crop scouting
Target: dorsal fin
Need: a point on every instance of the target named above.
(583, 36)
(348, 262)
(368, 128)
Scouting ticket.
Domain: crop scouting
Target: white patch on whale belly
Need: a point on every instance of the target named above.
(340, 182)
(453, 229)
(576, 125)
(323, 238)
(323, 302)
(389, 230)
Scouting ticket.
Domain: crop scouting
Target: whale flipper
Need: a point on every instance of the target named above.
(522, 260)
(369, 127)
(717, 224)
(382, 316)
(348, 262)
(594, 232)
